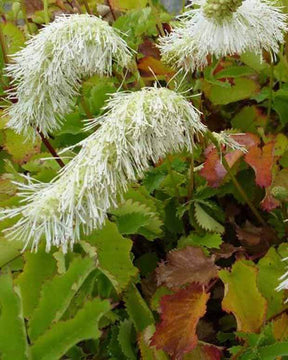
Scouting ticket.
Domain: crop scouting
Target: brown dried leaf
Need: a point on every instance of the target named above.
(185, 266)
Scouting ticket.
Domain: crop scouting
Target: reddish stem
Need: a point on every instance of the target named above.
(111, 9)
(51, 149)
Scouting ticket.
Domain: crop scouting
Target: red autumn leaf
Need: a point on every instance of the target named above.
(213, 170)
(185, 266)
(205, 352)
(180, 313)
(269, 203)
(149, 48)
(262, 160)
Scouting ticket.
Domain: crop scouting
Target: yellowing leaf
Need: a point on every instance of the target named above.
(151, 65)
(20, 149)
(242, 297)
(128, 4)
(180, 313)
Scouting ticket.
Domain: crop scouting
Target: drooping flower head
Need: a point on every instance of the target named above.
(46, 74)
(223, 27)
(138, 128)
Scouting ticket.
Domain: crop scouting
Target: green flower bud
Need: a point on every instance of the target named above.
(221, 9)
(280, 193)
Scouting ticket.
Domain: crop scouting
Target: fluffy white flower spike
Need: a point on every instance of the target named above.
(137, 128)
(284, 281)
(47, 72)
(224, 27)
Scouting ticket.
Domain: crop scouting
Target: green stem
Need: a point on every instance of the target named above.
(183, 5)
(242, 192)
(87, 7)
(3, 46)
(271, 82)
(137, 75)
(46, 11)
(158, 20)
(24, 12)
(170, 171)
(191, 178)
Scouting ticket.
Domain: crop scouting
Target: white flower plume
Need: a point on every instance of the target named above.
(226, 139)
(137, 128)
(47, 73)
(251, 25)
(284, 281)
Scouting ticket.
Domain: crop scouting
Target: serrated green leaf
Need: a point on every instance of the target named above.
(110, 246)
(56, 295)
(135, 218)
(272, 352)
(38, 268)
(205, 221)
(62, 336)
(210, 241)
(137, 309)
(13, 344)
(125, 338)
(271, 268)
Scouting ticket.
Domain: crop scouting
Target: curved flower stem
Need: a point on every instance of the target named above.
(271, 81)
(87, 7)
(183, 5)
(191, 178)
(46, 12)
(236, 183)
(111, 9)
(51, 149)
(3, 46)
(24, 12)
(170, 171)
(158, 20)
(242, 192)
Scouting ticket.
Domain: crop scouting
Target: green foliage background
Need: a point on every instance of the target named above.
(104, 299)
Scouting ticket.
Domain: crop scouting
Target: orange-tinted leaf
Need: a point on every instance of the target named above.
(180, 313)
(151, 65)
(280, 327)
(185, 266)
(213, 170)
(262, 160)
(242, 296)
(204, 352)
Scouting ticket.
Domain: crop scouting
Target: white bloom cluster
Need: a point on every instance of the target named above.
(137, 128)
(226, 139)
(284, 281)
(251, 25)
(47, 73)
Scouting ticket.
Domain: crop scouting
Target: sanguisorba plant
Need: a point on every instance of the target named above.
(137, 129)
